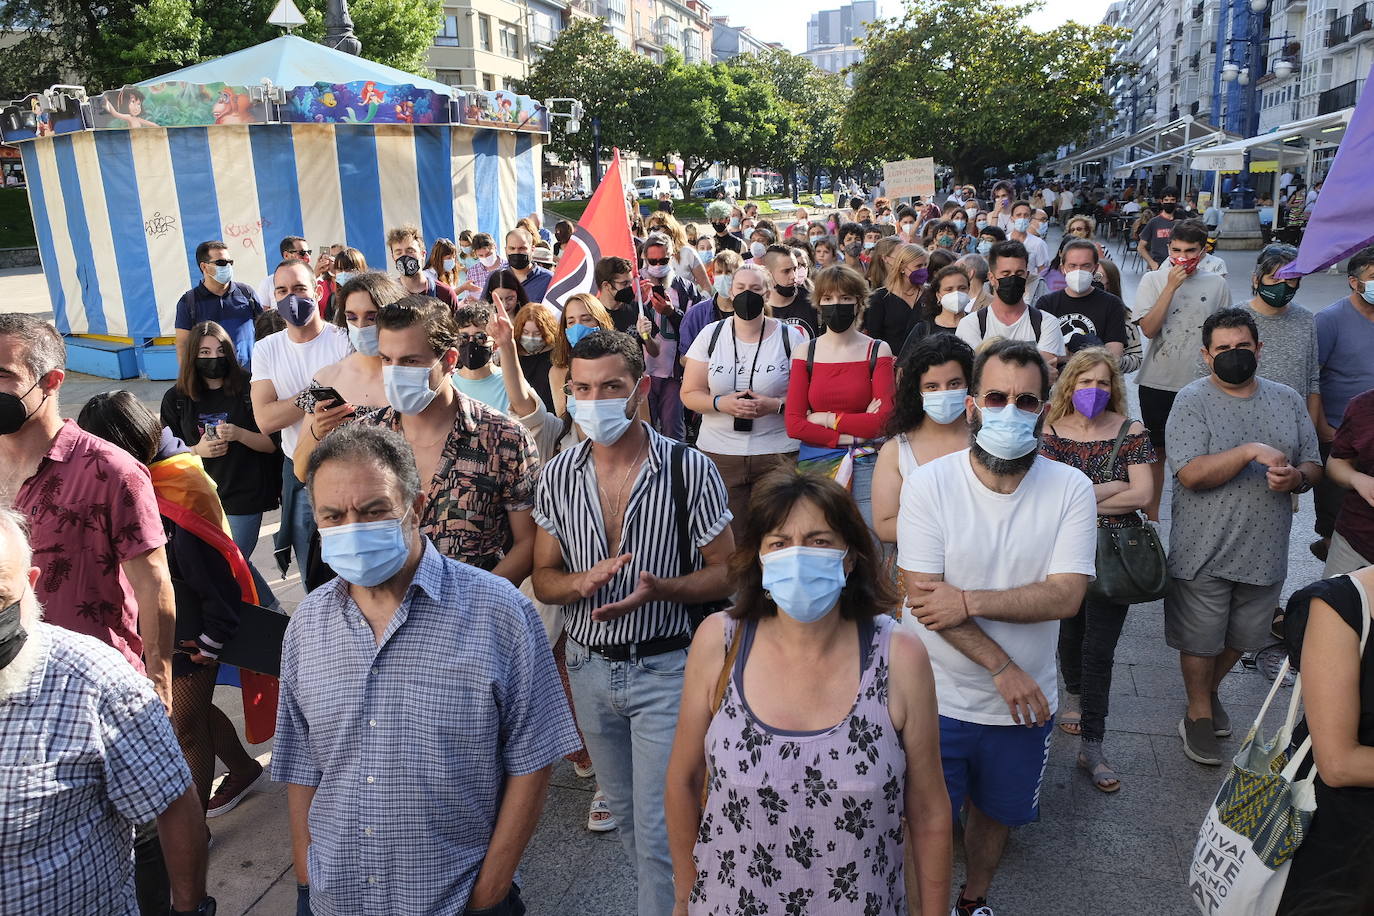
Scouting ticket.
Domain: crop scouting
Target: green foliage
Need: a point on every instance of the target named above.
(16, 223)
(815, 101)
(397, 33)
(989, 92)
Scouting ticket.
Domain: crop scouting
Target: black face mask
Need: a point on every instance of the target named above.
(625, 296)
(473, 355)
(1235, 367)
(13, 415)
(748, 305)
(408, 265)
(212, 366)
(1168, 208)
(720, 227)
(12, 634)
(839, 316)
(787, 292)
(518, 261)
(1011, 289)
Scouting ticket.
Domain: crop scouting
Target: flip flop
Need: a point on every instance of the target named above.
(1071, 723)
(600, 819)
(1103, 777)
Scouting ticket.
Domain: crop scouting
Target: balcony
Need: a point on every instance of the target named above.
(1339, 32)
(1195, 61)
(1360, 19)
(1197, 10)
(1178, 31)
(542, 35)
(1339, 97)
(647, 36)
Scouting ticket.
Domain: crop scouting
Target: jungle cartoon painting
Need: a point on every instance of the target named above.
(504, 110)
(364, 102)
(177, 104)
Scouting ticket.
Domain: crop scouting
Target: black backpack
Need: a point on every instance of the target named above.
(1037, 318)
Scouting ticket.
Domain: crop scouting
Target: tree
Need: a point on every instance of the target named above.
(753, 122)
(398, 33)
(986, 93)
(814, 99)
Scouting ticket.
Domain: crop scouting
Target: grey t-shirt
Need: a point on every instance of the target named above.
(1171, 362)
(1239, 530)
(1289, 352)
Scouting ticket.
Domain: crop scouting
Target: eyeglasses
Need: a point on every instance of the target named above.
(996, 400)
(304, 252)
(658, 262)
(480, 338)
(222, 262)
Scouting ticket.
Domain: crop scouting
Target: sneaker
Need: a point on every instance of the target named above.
(1200, 741)
(971, 908)
(232, 791)
(1320, 547)
(1221, 720)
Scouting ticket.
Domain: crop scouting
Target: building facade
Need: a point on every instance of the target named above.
(730, 41)
(833, 36)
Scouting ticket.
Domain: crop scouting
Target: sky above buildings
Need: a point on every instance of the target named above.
(785, 20)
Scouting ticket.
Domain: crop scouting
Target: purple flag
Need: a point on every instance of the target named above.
(1340, 225)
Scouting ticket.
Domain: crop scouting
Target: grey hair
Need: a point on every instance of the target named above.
(366, 444)
(978, 264)
(43, 348)
(14, 522)
(1270, 260)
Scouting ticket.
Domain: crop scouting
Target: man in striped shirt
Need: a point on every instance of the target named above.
(607, 550)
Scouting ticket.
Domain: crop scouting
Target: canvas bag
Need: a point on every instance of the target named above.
(1245, 846)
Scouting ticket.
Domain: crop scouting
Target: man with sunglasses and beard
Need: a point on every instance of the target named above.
(1024, 532)
(218, 298)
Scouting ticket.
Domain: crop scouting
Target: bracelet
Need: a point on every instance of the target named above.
(835, 424)
(782, 406)
(312, 432)
(1005, 666)
(715, 403)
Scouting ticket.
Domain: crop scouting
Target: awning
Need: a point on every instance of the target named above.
(1179, 152)
(1284, 144)
(1161, 138)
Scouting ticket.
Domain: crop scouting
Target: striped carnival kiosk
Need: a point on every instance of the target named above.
(296, 139)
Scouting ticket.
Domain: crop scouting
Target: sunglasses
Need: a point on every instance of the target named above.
(996, 400)
(658, 262)
(304, 252)
(480, 338)
(222, 262)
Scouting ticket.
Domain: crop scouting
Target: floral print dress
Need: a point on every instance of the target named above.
(804, 823)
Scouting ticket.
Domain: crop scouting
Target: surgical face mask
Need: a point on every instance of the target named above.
(407, 388)
(212, 366)
(801, 274)
(1367, 291)
(603, 421)
(1020, 224)
(657, 271)
(954, 301)
(944, 407)
(748, 305)
(1278, 294)
(981, 224)
(518, 261)
(366, 553)
(1008, 432)
(907, 228)
(468, 261)
(449, 264)
(408, 265)
(870, 245)
(1091, 401)
(1011, 289)
(721, 284)
(364, 340)
(224, 274)
(297, 310)
(704, 255)
(576, 332)
(13, 414)
(758, 249)
(488, 260)
(960, 225)
(816, 237)
(473, 355)
(1079, 281)
(804, 582)
(12, 634)
(1235, 367)
(984, 247)
(344, 276)
(465, 249)
(734, 222)
(839, 316)
(532, 343)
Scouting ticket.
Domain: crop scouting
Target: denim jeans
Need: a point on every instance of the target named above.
(665, 406)
(297, 520)
(1087, 649)
(244, 530)
(861, 487)
(628, 713)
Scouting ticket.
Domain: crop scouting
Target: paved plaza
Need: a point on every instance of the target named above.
(1090, 853)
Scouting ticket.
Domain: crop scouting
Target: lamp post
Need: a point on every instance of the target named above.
(1247, 76)
(338, 26)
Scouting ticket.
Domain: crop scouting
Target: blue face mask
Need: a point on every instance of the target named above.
(224, 274)
(578, 331)
(603, 421)
(804, 582)
(407, 388)
(1367, 291)
(366, 553)
(959, 225)
(297, 310)
(1021, 224)
(343, 277)
(364, 340)
(944, 406)
(1008, 433)
(984, 247)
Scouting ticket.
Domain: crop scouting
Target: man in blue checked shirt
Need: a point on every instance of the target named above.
(86, 752)
(420, 708)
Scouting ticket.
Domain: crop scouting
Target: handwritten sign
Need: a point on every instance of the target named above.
(910, 178)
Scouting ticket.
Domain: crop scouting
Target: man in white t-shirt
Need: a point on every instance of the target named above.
(284, 364)
(1008, 315)
(996, 546)
(1037, 252)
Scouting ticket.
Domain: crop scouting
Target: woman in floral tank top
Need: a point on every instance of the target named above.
(808, 778)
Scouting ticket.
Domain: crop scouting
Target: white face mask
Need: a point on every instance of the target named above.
(758, 249)
(722, 285)
(1079, 281)
(954, 301)
(488, 260)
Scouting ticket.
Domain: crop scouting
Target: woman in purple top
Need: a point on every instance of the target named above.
(809, 778)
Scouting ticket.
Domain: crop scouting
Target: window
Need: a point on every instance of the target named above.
(448, 32)
(488, 82)
(449, 77)
(484, 32)
(510, 40)
(616, 12)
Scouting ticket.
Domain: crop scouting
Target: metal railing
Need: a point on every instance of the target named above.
(542, 34)
(1339, 31)
(1339, 97)
(1359, 18)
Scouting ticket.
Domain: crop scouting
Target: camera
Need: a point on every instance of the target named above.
(744, 424)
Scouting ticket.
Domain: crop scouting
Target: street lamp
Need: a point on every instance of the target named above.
(1229, 72)
(1258, 6)
(1283, 67)
(1244, 77)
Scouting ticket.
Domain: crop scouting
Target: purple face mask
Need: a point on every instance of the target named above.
(1091, 401)
(297, 310)
(918, 276)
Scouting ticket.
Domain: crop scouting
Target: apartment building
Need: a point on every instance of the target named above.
(832, 36)
(730, 41)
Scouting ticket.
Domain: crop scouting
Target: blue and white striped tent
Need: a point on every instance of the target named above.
(119, 213)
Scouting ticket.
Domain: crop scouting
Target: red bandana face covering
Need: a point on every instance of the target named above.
(1188, 264)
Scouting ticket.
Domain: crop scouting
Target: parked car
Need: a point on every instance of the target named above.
(707, 186)
(650, 186)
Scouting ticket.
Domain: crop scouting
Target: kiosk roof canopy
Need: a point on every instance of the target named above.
(291, 61)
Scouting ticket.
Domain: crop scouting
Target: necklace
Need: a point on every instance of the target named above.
(618, 506)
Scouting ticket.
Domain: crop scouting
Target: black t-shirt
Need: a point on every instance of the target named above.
(625, 318)
(249, 481)
(729, 242)
(889, 318)
(1098, 314)
(799, 312)
(536, 367)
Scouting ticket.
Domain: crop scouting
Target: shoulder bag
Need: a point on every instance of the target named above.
(1131, 567)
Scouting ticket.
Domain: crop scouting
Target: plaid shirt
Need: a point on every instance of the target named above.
(410, 742)
(86, 752)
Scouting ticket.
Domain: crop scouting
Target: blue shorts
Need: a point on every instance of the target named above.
(997, 767)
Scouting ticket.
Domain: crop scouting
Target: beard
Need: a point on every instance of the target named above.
(14, 677)
(1001, 467)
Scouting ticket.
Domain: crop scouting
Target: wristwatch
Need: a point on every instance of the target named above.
(207, 908)
(1305, 485)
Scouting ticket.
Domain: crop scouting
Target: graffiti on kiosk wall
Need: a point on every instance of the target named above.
(503, 110)
(177, 104)
(362, 102)
(40, 116)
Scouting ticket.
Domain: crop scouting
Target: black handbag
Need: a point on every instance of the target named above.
(1131, 567)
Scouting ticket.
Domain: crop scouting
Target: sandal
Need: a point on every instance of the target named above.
(1071, 723)
(1099, 771)
(582, 772)
(599, 818)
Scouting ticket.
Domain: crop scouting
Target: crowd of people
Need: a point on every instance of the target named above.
(880, 445)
